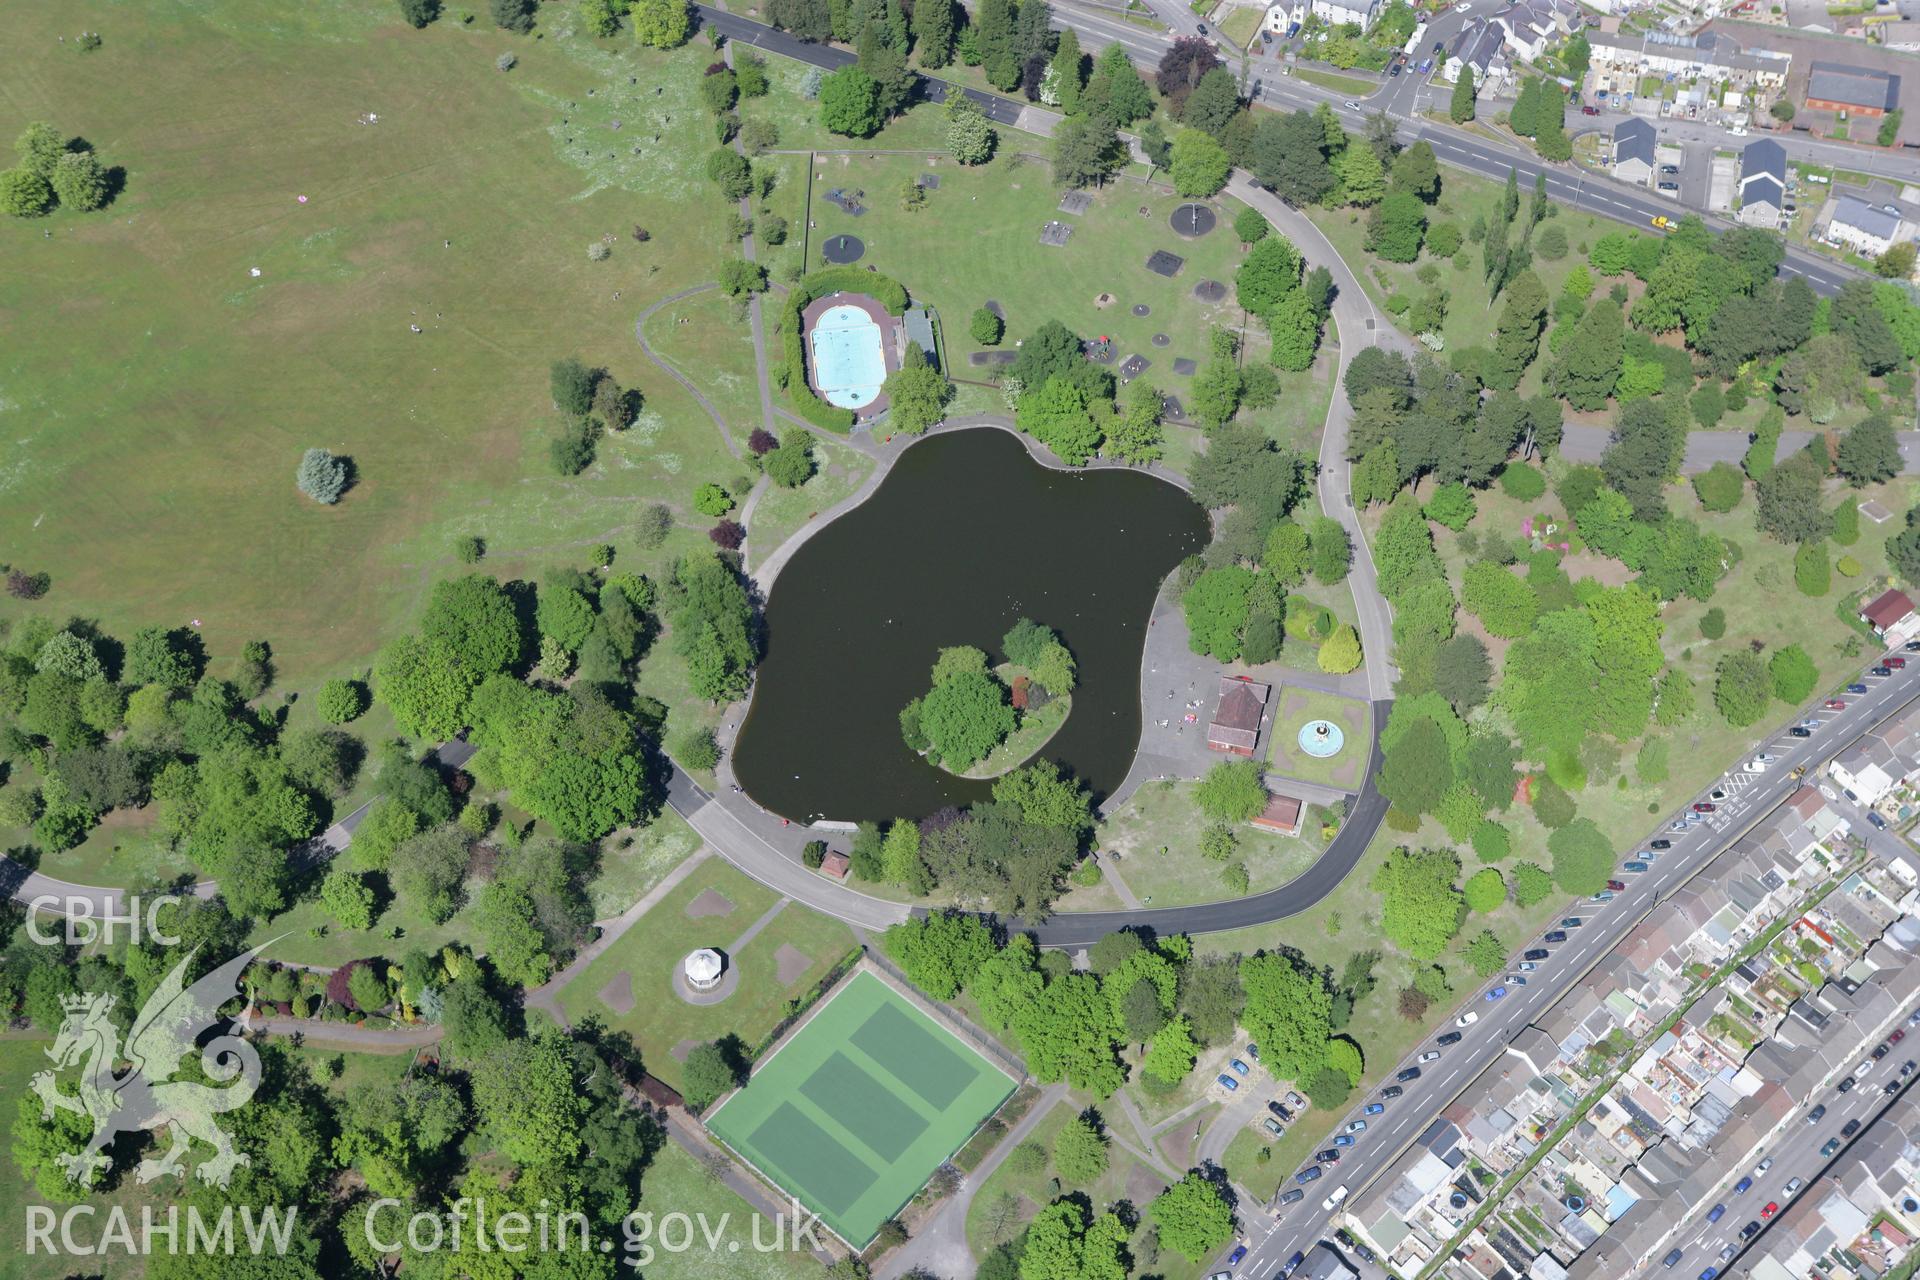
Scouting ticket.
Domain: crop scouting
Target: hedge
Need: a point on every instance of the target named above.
(792, 371)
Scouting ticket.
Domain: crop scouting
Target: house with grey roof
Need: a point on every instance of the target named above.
(1633, 148)
(1482, 46)
(1763, 183)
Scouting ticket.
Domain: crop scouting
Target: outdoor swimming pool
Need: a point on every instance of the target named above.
(848, 363)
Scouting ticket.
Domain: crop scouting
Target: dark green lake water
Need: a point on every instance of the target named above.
(966, 535)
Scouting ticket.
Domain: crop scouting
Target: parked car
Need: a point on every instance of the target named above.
(1846, 1086)
(1541, 953)
(1355, 1126)
(1669, 169)
(1668, 184)
(1239, 1067)
(1818, 1114)
(1912, 646)
(1394, 70)
(1716, 1213)
(1615, 885)
(1727, 1253)
(1496, 993)
(1850, 1128)
(1309, 1174)
(1896, 662)
(1274, 1127)
(1343, 1140)
(1451, 1037)
(1589, 111)
(1253, 1051)
(1882, 670)
(1881, 1050)
(1899, 1034)
(1633, 868)
(1705, 806)
(1466, 1019)
(1763, 1166)
(1528, 966)
(1557, 935)
(1295, 1101)
(1280, 1111)
(1876, 820)
(1835, 704)
(1906, 1068)
(1755, 766)
(1572, 922)
(1856, 687)
(1293, 1264)
(1239, 1252)
(1773, 1207)
(1605, 895)
(1329, 1156)
(1661, 844)
(1799, 732)
(1741, 1187)
(1394, 1090)
(1793, 1185)
(1751, 1230)
(1672, 1259)
(1227, 1082)
(1335, 1200)
(1890, 1088)
(1411, 1073)
(1294, 1196)
(1833, 1145)
(1373, 1108)
(1517, 979)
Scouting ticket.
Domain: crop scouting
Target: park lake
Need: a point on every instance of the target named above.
(966, 535)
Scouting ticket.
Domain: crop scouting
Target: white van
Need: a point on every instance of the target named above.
(1334, 1201)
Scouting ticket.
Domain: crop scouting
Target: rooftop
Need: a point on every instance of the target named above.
(1853, 86)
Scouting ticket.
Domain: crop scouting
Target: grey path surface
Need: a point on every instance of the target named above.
(940, 1245)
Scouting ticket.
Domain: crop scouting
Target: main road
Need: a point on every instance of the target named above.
(1751, 797)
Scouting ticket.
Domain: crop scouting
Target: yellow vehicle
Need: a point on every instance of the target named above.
(1661, 222)
(1800, 771)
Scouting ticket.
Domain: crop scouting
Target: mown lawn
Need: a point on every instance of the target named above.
(1157, 835)
(637, 971)
(677, 1184)
(1295, 707)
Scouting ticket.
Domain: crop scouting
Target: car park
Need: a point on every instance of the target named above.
(1850, 1128)
(1451, 1037)
(1373, 1108)
(1295, 1196)
(1227, 1082)
(1309, 1174)
(1411, 1073)
(1430, 1055)
(1394, 1090)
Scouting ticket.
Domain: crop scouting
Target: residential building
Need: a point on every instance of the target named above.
(1763, 183)
(1708, 54)
(1482, 46)
(1859, 91)
(1529, 26)
(1868, 229)
(1239, 716)
(1362, 13)
(1633, 145)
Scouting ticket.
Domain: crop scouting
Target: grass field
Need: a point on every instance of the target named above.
(1161, 816)
(1293, 707)
(630, 985)
(840, 470)
(675, 1183)
(856, 1110)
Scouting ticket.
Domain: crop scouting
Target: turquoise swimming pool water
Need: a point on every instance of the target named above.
(848, 364)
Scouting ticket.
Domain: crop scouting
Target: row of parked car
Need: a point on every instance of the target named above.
(1827, 1150)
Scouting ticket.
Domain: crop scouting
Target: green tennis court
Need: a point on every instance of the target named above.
(857, 1109)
